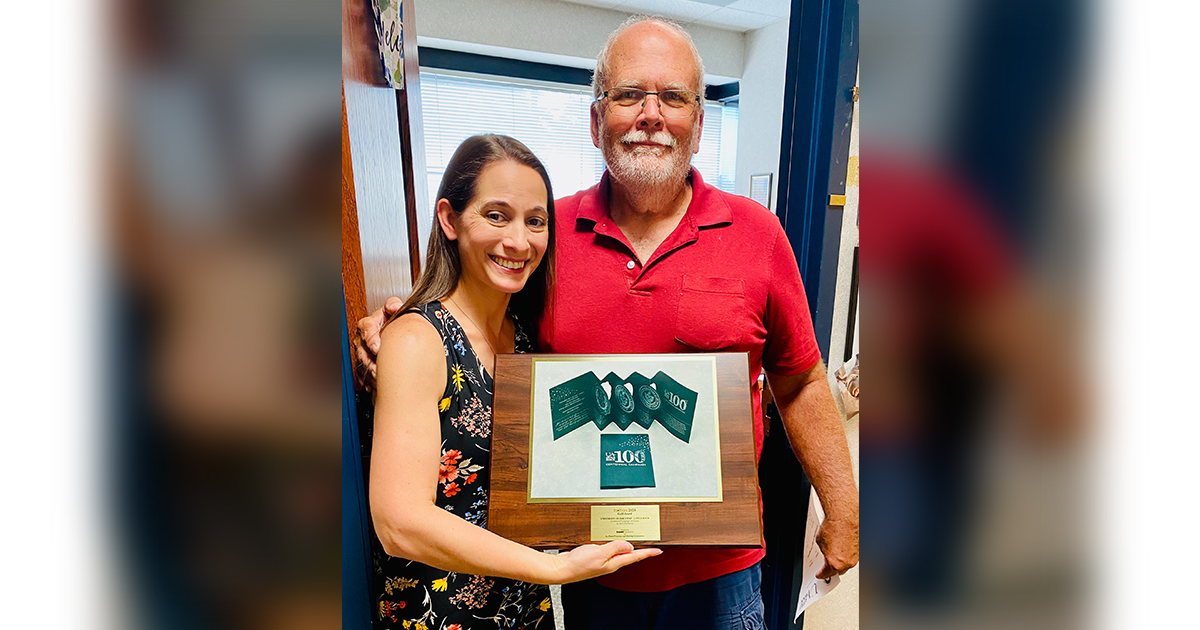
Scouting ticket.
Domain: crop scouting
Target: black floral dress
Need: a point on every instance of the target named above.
(415, 596)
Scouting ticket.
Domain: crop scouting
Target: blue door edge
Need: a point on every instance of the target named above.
(356, 541)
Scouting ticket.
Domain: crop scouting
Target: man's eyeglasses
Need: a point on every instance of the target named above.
(671, 103)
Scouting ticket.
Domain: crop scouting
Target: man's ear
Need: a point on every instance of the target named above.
(699, 127)
(595, 116)
(446, 218)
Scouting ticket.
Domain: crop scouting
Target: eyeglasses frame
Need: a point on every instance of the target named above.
(699, 100)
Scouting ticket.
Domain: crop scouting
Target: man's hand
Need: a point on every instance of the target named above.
(838, 540)
(366, 342)
(818, 439)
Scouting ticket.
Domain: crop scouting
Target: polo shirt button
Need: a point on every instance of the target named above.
(629, 265)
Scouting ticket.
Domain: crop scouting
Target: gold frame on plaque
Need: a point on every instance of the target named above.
(628, 497)
(730, 517)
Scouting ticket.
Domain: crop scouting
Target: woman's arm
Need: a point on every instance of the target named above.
(406, 453)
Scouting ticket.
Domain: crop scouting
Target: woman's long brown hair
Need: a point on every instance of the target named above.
(443, 268)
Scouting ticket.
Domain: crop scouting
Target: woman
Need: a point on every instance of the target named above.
(489, 271)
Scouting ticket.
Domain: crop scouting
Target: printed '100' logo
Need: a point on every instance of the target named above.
(626, 457)
(677, 400)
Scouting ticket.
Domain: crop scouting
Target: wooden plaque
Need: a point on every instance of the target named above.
(527, 504)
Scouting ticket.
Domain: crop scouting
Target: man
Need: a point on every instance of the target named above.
(653, 260)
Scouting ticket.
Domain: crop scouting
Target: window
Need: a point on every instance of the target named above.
(552, 120)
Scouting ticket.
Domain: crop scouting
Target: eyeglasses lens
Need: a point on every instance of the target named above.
(672, 103)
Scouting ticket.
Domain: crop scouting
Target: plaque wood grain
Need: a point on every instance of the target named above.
(733, 522)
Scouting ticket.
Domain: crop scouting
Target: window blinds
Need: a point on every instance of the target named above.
(553, 122)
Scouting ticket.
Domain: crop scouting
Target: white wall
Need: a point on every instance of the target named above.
(557, 28)
(760, 107)
(849, 240)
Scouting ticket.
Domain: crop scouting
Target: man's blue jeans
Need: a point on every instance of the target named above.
(729, 602)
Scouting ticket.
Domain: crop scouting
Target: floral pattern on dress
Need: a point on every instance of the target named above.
(475, 419)
(475, 593)
(455, 473)
(414, 596)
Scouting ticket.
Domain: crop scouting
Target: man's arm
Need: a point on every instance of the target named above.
(367, 337)
(815, 431)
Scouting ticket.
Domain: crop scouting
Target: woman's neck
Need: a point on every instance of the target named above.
(486, 309)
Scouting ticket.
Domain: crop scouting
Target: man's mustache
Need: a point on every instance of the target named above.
(658, 137)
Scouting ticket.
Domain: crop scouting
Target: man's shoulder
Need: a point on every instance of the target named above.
(567, 208)
(573, 200)
(745, 211)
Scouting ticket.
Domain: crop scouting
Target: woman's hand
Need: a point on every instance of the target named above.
(589, 561)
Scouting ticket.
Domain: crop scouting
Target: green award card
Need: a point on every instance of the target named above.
(621, 401)
(577, 402)
(625, 461)
(678, 406)
(645, 398)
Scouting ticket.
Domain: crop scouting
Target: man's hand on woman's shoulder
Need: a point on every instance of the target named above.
(366, 341)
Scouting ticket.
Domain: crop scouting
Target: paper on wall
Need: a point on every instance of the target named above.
(812, 588)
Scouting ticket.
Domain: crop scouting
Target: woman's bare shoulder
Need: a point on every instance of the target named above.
(411, 347)
(410, 330)
(412, 359)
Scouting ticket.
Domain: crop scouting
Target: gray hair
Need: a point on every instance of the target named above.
(600, 76)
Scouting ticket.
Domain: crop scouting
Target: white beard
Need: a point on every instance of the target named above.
(647, 169)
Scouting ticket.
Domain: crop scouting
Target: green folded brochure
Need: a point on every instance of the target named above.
(678, 406)
(620, 401)
(625, 461)
(623, 401)
(646, 401)
(577, 402)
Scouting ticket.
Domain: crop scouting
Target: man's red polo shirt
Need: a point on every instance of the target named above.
(725, 280)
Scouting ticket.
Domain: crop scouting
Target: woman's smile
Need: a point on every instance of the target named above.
(507, 263)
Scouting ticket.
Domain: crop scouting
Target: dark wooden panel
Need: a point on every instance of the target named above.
(410, 186)
(418, 208)
(733, 522)
(353, 286)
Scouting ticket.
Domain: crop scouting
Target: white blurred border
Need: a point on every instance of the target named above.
(1150, 310)
(49, 273)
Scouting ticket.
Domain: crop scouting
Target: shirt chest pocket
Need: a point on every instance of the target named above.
(713, 314)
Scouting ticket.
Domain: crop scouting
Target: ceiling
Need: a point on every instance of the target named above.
(731, 15)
